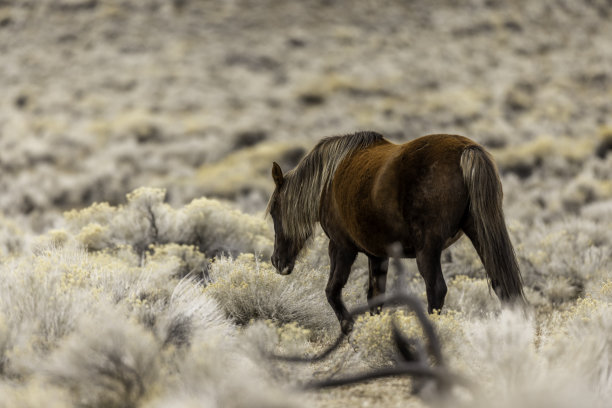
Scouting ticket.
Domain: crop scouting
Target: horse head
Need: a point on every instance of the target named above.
(285, 250)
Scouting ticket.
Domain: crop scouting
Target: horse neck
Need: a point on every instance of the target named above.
(301, 209)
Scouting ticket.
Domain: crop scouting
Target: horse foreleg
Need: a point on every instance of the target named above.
(428, 262)
(377, 281)
(341, 261)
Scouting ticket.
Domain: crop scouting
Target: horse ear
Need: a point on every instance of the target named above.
(277, 174)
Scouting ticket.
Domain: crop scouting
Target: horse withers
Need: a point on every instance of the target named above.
(368, 193)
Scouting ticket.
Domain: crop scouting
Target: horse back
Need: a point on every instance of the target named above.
(387, 193)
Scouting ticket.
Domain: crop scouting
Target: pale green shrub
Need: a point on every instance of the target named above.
(97, 329)
(472, 297)
(192, 262)
(462, 259)
(374, 340)
(562, 260)
(217, 373)
(585, 346)
(248, 289)
(43, 295)
(39, 296)
(501, 355)
(215, 228)
(146, 220)
(34, 394)
(190, 313)
(108, 361)
(11, 237)
(5, 343)
(599, 212)
(143, 221)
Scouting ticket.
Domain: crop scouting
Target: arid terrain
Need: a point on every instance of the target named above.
(136, 142)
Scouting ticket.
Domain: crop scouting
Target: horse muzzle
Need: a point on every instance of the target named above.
(286, 270)
(282, 269)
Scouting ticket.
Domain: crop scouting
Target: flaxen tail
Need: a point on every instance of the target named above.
(496, 251)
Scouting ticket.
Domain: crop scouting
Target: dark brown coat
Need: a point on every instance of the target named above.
(423, 195)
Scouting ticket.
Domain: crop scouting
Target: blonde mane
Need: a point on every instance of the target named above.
(303, 186)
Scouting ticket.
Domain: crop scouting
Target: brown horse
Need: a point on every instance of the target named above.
(368, 193)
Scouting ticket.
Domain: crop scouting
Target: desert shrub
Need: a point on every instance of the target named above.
(599, 212)
(108, 361)
(218, 373)
(561, 372)
(562, 259)
(315, 254)
(11, 237)
(192, 262)
(374, 340)
(472, 297)
(44, 294)
(215, 228)
(146, 220)
(33, 395)
(143, 221)
(592, 184)
(190, 313)
(39, 298)
(99, 329)
(462, 259)
(5, 343)
(248, 289)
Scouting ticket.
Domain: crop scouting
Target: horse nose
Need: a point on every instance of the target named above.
(274, 260)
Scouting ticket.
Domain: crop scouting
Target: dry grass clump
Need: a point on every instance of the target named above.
(40, 302)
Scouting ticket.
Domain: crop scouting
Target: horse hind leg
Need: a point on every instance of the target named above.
(428, 262)
(378, 280)
(341, 261)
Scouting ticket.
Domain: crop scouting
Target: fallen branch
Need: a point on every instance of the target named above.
(412, 359)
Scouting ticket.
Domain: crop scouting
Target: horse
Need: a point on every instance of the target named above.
(368, 193)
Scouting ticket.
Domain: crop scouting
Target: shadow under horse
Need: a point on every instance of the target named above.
(368, 193)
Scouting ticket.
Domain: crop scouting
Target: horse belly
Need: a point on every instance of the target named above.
(375, 234)
(454, 239)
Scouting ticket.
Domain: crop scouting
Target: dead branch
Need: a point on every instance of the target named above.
(413, 359)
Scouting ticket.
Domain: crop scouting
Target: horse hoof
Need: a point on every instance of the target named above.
(375, 311)
(346, 326)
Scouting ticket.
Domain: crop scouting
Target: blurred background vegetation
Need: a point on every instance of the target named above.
(103, 96)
